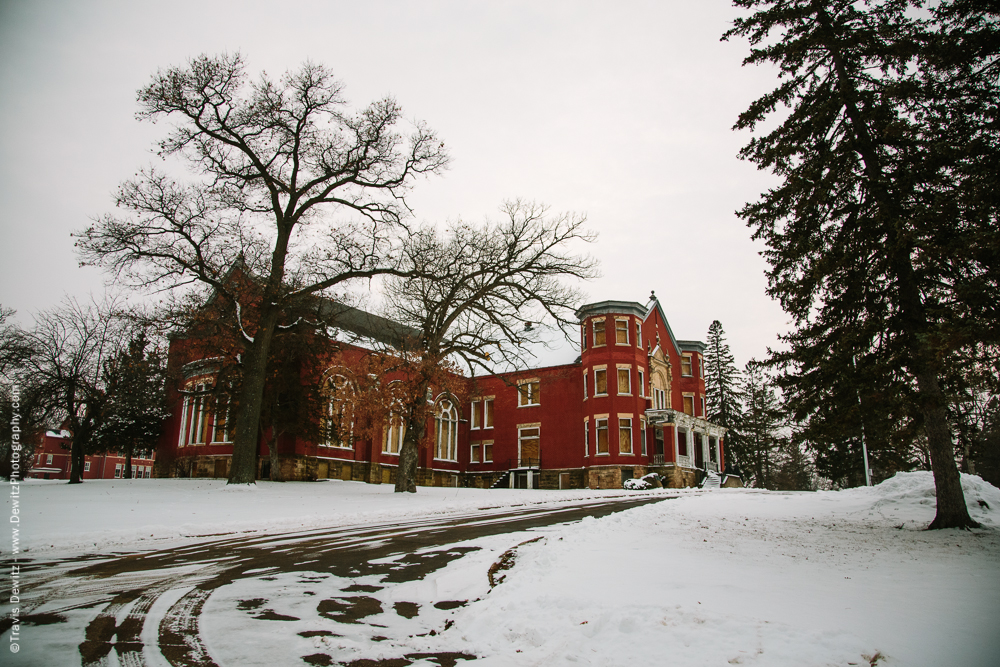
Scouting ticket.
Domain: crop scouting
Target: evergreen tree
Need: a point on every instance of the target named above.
(758, 449)
(135, 409)
(882, 236)
(722, 387)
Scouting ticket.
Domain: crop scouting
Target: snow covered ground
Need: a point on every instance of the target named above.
(738, 577)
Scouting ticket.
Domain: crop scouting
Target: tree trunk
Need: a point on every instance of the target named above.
(272, 454)
(244, 465)
(76, 461)
(406, 473)
(127, 473)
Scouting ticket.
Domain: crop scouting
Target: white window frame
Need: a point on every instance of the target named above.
(642, 383)
(487, 413)
(487, 443)
(593, 323)
(600, 369)
(393, 434)
(690, 365)
(531, 397)
(631, 435)
(586, 436)
(625, 328)
(598, 419)
(618, 377)
(446, 431)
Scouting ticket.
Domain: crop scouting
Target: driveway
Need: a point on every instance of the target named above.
(329, 591)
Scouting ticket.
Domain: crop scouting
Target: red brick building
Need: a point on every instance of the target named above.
(634, 402)
(51, 461)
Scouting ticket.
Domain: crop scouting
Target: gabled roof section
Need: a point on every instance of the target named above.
(654, 305)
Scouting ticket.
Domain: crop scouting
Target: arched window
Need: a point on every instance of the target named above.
(338, 413)
(446, 430)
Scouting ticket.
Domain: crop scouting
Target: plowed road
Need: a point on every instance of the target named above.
(146, 608)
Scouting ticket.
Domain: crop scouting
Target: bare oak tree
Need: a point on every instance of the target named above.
(72, 344)
(276, 160)
(486, 294)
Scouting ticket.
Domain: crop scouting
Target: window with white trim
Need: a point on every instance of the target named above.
(475, 416)
(586, 436)
(338, 412)
(621, 332)
(600, 381)
(487, 413)
(446, 431)
(689, 404)
(394, 431)
(475, 452)
(686, 367)
(600, 332)
(86, 466)
(119, 468)
(642, 383)
(602, 436)
(528, 393)
(625, 436)
(624, 381)
(487, 451)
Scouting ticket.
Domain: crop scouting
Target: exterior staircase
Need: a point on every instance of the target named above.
(712, 481)
(503, 481)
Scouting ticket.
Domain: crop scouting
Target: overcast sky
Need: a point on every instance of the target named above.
(619, 110)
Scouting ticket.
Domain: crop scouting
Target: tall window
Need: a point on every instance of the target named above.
(528, 393)
(624, 381)
(223, 431)
(602, 436)
(446, 423)
(476, 417)
(642, 383)
(195, 416)
(621, 332)
(586, 437)
(395, 430)
(689, 405)
(583, 335)
(528, 446)
(488, 413)
(488, 451)
(599, 332)
(585, 384)
(625, 436)
(686, 368)
(638, 335)
(682, 442)
(338, 421)
(642, 434)
(475, 452)
(600, 382)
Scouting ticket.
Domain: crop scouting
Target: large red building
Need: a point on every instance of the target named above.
(51, 460)
(633, 403)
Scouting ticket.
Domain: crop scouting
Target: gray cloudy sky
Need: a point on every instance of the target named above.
(621, 110)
